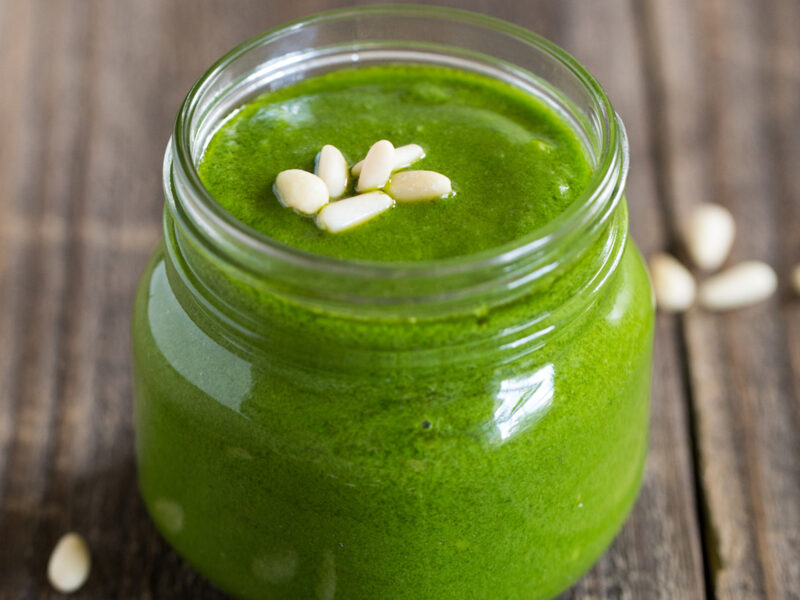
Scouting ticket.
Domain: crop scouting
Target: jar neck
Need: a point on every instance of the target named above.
(233, 271)
(236, 311)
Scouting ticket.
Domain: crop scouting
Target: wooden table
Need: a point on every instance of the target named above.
(710, 94)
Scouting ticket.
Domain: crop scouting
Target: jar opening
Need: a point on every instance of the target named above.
(405, 34)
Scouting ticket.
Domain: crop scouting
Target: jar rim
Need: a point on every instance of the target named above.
(221, 233)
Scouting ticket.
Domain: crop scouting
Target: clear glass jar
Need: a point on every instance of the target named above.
(468, 428)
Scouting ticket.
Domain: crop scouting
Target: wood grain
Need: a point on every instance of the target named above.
(710, 94)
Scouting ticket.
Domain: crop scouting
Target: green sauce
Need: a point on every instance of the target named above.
(513, 164)
(486, 478)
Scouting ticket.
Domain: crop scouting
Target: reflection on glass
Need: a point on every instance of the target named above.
(621, 304)
(189, 350)
(523, 399)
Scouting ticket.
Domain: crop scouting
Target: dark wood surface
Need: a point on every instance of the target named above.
(710, 93)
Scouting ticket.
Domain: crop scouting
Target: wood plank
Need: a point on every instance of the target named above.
(38, 282)
(715, 106)
(15, 56)
(783, 94)
(781, 102)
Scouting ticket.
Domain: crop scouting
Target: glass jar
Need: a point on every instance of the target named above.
(311, 428)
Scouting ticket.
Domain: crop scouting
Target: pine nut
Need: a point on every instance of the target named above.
(742, 285)
(796, 278)
(331, 167)
(302, 191)
(708, 234)
(69, 563)
(404, 156)
(377, 166)
(407, 155)
(349, 212)
(673, 285)
(415, 186)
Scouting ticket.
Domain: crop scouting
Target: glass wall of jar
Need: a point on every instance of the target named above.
(473, 427)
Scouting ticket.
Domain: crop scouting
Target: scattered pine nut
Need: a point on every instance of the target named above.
(303, 191)
(377, 166)
(69, 563)
(708, 234)
(415, 186)
(349, 212)
(796, 278)
(404, 156)
(331, 167)
(673, 285)
(745, 284)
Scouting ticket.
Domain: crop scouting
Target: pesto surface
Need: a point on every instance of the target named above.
(513, 163)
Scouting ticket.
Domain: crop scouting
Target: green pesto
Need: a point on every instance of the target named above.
(513, 164)
(318, 461)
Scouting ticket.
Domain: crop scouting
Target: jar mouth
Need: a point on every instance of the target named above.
(357, 36)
